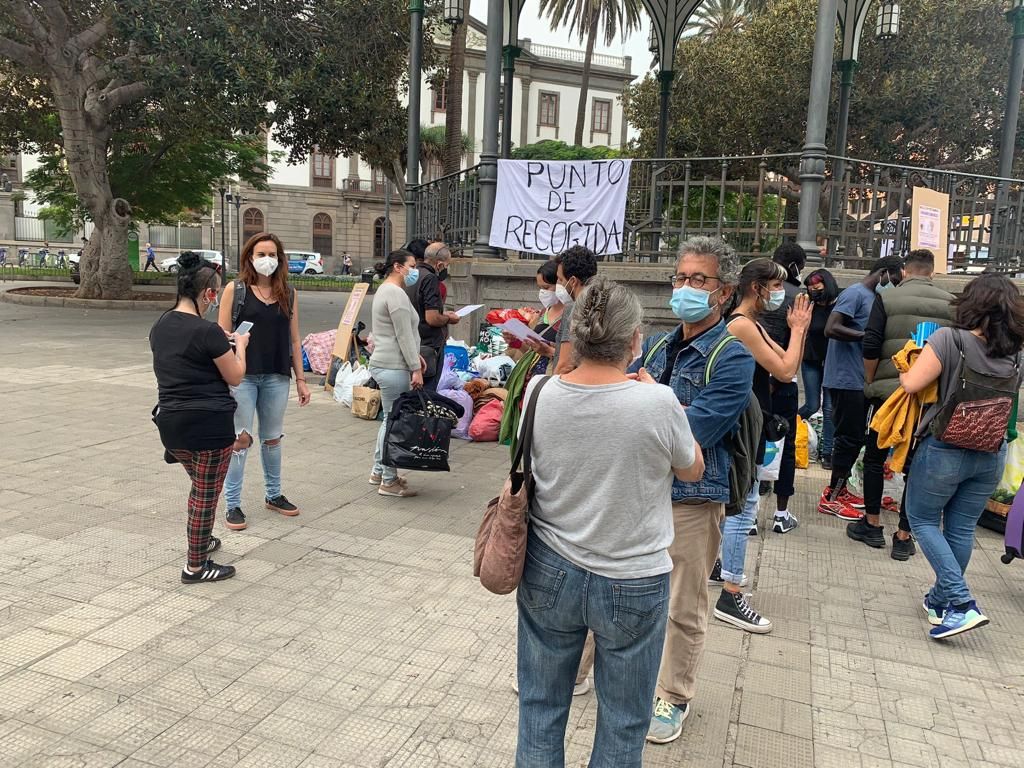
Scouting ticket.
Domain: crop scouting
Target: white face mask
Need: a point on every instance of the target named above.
(638, 347)
(265, 265)
(546, 297)
(563, 295)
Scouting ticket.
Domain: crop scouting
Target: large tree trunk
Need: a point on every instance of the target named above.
(581, 108)
(453, 109)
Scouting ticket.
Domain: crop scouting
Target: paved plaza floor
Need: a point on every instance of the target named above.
(355, 634)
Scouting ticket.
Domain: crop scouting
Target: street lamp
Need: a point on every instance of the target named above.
(237, 200)
(888, 24)
(454, 13)
(1009, 139)
(510, 51)
(412, 171)
(223, 223)
(487, 174)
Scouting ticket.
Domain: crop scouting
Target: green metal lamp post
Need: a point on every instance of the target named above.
(488, 172)
(1013, 88)
(412, 171)
(510, 52)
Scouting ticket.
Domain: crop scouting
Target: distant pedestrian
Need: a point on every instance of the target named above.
(194, 365)
(150, 258)
(346, 265)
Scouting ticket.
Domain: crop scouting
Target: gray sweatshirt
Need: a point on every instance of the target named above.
(396, 337)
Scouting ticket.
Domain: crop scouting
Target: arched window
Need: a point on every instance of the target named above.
(323, 231)
(381, 239)
(252, 223)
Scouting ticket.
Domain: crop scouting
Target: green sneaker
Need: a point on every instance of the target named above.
(667, 722)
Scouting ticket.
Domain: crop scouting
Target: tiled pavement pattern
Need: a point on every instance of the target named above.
(355, 635)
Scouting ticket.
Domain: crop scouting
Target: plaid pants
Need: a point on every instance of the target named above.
(207, 469)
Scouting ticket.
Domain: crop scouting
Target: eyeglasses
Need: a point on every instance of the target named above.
(696, 280)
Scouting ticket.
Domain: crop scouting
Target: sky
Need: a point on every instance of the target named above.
(538, 29)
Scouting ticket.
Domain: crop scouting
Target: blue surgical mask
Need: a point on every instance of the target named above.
(412, 276)
(691, 305)
(775, 300)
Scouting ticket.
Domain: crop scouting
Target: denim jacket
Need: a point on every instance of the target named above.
(713, 411)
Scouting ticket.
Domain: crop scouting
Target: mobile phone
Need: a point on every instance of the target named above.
(243, 328)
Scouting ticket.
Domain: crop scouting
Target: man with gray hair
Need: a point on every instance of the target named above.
(429, 303)
(712, 378)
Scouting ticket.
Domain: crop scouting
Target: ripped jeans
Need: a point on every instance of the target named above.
(266, 397)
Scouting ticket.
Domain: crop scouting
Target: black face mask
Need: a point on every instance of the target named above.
(818, 297)
(443, 274)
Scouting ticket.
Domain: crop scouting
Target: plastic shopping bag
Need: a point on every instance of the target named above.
(802, 440)
(347, 378)
(419, 431)
(772, 461)
(1013, 472)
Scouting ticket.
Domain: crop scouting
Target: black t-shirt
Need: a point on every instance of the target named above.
(269, 349)
(184, 349)
(816, 346)
(428, 296)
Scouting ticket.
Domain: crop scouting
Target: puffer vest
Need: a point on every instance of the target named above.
(915, 300)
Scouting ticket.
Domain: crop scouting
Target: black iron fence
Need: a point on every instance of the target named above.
(752, 202)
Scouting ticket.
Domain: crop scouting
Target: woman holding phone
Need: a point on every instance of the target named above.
(194, 365)
(265, 300)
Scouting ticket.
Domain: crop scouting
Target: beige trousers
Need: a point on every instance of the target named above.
(694, 550)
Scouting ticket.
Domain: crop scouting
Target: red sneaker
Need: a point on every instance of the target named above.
(850, 499)
(889, 504)
(836, 507)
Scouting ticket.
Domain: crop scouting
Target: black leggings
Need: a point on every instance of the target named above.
(874, 474)
(849, 416)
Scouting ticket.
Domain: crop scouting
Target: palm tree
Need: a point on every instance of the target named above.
(432, 146)
(585, 19)
(454, 148)
(717, 16)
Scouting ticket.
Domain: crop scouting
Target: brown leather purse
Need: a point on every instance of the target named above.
(500, 550)
(975, 416)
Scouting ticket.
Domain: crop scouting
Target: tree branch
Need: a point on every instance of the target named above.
(112, 98)
(58, 19)
(87, 38)
(28, 22)
(24, 55)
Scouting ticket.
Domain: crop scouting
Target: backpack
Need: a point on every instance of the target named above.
(976, 414)
(745, 440)
(239, 300)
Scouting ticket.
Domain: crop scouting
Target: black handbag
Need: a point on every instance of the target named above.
(775, 427)
(419, 431)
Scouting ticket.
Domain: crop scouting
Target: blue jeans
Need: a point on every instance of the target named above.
(558, 602)
(950, 485)
(735, 533)
(818, 397)
(264, 396)
(392, 383)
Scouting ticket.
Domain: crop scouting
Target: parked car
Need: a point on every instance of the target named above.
(214, 257)
(304, 262)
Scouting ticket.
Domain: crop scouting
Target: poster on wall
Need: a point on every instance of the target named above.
(929, 224)
(547, 206)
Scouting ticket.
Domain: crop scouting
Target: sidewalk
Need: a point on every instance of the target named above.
(355, 634)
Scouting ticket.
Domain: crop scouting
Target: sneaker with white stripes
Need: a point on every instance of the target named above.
(733, 608)
(209, 572)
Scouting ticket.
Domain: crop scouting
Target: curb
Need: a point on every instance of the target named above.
(28, 300)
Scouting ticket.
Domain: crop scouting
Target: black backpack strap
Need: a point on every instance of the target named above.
(237, 302)
(525, 447)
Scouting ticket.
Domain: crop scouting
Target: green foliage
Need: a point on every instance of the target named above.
(714, 17)
(579, 15)
(932, 97)
(559, 150)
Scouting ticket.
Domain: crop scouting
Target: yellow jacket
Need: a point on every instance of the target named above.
(896, 420)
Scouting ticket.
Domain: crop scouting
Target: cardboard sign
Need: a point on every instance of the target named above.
(929, 224)
(343, 341)
(547, 206)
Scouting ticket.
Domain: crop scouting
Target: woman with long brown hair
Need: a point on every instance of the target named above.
(976, 364)
(261, 296)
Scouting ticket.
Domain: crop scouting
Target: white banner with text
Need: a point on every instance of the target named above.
(547, 206)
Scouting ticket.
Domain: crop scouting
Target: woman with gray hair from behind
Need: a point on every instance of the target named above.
(597, 554)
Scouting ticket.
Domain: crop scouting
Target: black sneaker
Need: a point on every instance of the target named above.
(213, 546)
(209, 572)
(861, 530)
(235, 520)
(902, 550)
(716, 580)
(733, 608)
(764, 488)
(826, 463)
(282, 505)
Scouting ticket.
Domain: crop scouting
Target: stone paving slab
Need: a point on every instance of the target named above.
(355, 635)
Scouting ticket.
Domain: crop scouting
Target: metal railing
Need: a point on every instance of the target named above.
(752, 202)
(31, 229)
(181, 237)
(446, 208)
